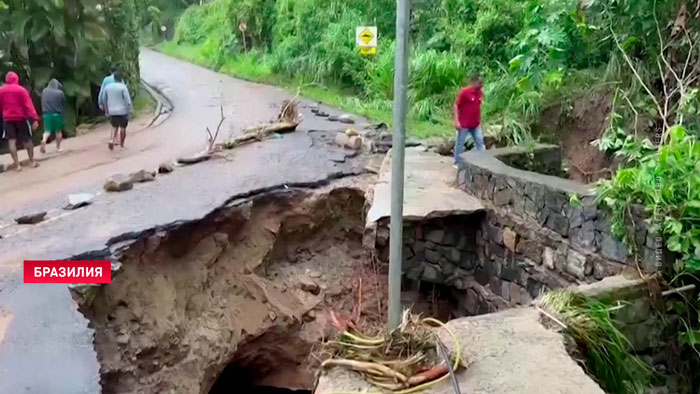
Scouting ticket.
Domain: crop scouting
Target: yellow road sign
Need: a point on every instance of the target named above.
(366, 36)
(368, 50)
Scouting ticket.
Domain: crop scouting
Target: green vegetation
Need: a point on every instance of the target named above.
(591, 325)
(73, 41)
(534, 54)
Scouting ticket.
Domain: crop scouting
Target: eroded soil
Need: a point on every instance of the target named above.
(248, 286)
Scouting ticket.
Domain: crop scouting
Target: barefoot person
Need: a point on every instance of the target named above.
(117, 106)
(53, 102)
(467, 117)
(17, 111)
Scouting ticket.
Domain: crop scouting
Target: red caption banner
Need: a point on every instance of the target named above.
(67, 271)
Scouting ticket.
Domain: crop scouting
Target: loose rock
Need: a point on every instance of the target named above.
(118, 183)
(354, 142)
(166, 168)
(194, 159)
(345, 118)
(142, 176)
(32, 218)
(309, 285)
(79, 200)
(332, 118)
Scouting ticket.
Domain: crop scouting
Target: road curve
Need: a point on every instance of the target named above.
(45, 344)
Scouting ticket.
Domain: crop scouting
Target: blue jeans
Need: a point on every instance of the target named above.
(462, 138)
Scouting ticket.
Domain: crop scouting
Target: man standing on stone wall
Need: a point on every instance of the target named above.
(467, 117)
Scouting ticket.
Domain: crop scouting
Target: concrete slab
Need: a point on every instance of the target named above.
(508, 352)
(430, 189)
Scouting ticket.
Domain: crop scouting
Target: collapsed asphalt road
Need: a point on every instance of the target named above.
(45, 344)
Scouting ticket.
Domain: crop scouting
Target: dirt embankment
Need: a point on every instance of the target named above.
(248, 287)
(573, 126)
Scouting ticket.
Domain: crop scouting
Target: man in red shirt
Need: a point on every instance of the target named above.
(467, 116)
(17, 110)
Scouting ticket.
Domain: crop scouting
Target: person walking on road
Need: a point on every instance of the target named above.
(109, 79)
(467, 117)
(53, 102)
(118, 107)
(17, 111)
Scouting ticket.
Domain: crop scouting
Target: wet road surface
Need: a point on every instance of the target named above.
(46, 347)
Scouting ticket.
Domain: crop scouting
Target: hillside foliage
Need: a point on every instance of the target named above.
(73, 41)
(532, 52)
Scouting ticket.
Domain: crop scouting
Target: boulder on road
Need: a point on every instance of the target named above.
(32, 218)
(118, 183)
(142, 176)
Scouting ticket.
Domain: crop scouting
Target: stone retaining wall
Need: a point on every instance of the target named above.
(578, 237)
(447, 251)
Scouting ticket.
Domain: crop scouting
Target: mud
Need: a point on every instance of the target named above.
(573, 126)
(248, 287)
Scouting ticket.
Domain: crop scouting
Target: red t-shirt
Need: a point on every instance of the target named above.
(469, 107)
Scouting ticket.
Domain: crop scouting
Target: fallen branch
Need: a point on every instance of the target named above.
(366, 367)
(212, 137)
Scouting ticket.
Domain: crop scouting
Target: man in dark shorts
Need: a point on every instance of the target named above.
(117, 105)
(17, 111)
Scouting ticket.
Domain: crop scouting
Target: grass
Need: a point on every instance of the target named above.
(253, 67)
(607, 351)
(143, 103)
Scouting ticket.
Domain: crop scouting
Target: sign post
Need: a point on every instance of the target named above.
(366, 40)
(403, 15)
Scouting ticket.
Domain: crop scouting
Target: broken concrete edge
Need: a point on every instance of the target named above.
(612, 288)
(506, 352)
(115, 245)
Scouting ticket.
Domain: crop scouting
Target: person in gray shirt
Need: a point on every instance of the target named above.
(117, 105)
(53, 102)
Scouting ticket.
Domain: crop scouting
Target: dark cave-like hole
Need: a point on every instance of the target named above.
(234, 379)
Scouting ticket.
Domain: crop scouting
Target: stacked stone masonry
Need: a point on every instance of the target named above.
(531, 239)
(575, 238)
(446, 251)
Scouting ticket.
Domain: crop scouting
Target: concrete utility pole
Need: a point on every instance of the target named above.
(403, 16)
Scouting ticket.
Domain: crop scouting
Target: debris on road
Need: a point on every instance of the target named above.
(351, 142)
(32, 218)
(351, 132)
(118, 183)
(194, 159)
(166, 168)
(142, 176)
(287, 122)
(345, 118)
(332, 118)
(405, 359)
(79, 200)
